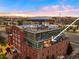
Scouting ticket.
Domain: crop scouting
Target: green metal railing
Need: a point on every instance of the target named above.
(36, 42)
(33, 43)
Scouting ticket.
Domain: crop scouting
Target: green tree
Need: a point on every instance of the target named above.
(2, 56)
(69, 49)
(20, 22)
(2, 40)
(77, 23)
(74, 29)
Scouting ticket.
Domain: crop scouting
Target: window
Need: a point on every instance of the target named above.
(19, 41)
(31, 36)
(47, 57)
(14, 43)
(44, 36)
(38, 37)
(48, 51)
(15, 39)
(52, 57)
(27, 57)
(43, 54)
(19, 45)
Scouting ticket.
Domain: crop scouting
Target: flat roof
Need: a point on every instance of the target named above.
(40, 31)
(28, 28)
(38, 18)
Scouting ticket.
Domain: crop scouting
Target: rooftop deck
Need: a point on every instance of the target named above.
(37, 28)
(40, 31)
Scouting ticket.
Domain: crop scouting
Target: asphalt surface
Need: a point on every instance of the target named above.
(74, 40)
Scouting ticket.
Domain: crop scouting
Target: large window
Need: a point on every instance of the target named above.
(32, 36)
(44, 36)
(38, 36)
(29, 35)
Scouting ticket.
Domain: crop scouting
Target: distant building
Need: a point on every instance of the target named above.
(37, 42)
(39, 20)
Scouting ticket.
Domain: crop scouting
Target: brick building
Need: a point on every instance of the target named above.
(36, 42)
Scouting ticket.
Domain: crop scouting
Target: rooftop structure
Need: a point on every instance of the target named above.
(36, 35)
(35, 28)
(39, 18)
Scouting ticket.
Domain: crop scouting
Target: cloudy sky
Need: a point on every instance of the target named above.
(40, 7)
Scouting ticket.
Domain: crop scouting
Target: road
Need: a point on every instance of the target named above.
(74, 40)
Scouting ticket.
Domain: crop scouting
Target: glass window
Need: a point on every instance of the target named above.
(31, 36)
(38, 36)
(44, 36)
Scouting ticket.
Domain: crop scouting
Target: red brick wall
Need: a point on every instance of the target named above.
(15, 30)
(56, 50)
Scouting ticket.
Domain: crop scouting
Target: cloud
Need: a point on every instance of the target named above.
(55, 10)
(50, 8)
(69, 10)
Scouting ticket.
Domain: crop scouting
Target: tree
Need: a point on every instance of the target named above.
(77, 23)
(2, 56)
(74, 29)
(8, 50)
(20, 22)
(69, 49)
(2, 40)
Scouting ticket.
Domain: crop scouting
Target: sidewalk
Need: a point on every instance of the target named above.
(74, 53)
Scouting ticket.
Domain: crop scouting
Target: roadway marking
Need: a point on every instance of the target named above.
(74, 43)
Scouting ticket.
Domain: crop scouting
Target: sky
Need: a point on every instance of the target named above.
(39, 7)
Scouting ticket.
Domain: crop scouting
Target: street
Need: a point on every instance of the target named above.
(74, 40)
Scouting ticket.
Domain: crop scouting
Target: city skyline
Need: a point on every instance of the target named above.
(39, 7)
